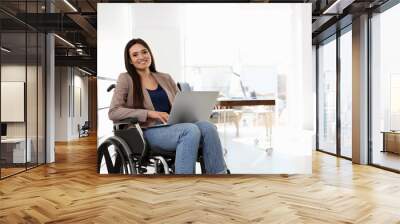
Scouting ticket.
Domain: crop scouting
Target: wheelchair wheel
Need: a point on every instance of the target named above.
(161, 166)
(114, 156)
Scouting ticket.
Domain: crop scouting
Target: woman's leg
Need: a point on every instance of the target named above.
(184, 138)
(212, 148)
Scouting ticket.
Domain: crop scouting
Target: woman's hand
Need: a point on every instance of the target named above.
(162, 116)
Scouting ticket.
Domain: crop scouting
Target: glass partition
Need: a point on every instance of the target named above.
(31, 97)
(14, 153)
(22, 87)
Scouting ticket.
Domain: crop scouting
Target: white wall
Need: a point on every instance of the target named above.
(114, 30)
(80, 110)
(303, 72)
(17, 73)
(61, 103)
(163, 32)
(33, 126)
(67, 115)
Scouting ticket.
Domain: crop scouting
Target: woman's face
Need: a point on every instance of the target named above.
(140, 57)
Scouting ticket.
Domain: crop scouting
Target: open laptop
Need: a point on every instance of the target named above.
(190, 107)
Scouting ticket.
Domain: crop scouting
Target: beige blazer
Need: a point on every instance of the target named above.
(122, 101)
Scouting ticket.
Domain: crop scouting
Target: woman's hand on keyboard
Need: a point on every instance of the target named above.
(162, 116)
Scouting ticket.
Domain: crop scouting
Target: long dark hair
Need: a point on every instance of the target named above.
(137, 86)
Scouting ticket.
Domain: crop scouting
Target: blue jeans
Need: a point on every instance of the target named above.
(185, 139)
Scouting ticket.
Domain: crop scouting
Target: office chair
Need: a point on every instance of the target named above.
(84, 129)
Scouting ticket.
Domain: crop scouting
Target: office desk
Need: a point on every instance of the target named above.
(225, 105)
(391, 141)
(227, 102)
(13, 150)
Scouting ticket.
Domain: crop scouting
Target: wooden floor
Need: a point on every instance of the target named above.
(387, 159)
(70, 191)
(10, 171)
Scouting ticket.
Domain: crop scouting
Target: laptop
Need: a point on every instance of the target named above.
(190, 107)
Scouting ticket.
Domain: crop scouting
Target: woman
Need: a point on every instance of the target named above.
(146, 94)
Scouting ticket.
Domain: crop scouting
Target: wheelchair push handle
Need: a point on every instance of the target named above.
(111, 87)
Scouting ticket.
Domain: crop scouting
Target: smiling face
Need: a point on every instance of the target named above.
(140, 57)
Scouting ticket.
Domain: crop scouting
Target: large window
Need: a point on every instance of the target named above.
(346, 93)
(385, 87)
(327, 96)
(335, 94)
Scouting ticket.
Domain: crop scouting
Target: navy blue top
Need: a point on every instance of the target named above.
(159, 98)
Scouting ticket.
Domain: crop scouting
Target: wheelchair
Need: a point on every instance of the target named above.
(127, 152)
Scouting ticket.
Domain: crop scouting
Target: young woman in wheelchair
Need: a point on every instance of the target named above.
(146, 94)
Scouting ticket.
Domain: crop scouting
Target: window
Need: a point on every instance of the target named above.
(346, 94)
(385, 89)
(327, 96)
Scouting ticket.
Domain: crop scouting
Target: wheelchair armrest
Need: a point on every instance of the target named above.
(130, 131)
(129, 120)
(125, 122)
